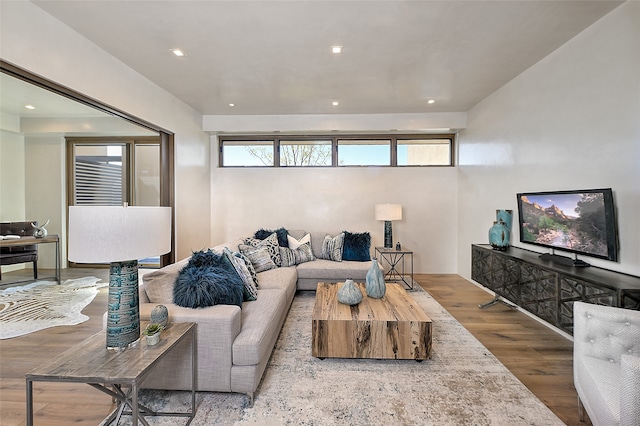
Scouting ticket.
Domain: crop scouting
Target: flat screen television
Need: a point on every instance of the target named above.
(578, 221)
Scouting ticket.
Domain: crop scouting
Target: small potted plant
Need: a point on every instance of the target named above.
(153, 333)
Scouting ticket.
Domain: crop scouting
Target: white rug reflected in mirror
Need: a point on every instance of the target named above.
(43, 304)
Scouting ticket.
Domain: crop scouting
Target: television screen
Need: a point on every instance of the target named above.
(580, 221)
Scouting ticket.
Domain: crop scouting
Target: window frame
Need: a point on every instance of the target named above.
(392, 138)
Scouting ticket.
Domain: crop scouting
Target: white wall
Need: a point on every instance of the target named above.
(45, 192)
(12, 198)
(337, 199)
(34, 40)
(572, 121)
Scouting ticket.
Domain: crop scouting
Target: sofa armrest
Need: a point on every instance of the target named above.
(629, 390)
(223, 320)
(217, 328)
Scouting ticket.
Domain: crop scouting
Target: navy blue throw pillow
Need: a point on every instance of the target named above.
(357, 246)
(282, 233)
(208, 279)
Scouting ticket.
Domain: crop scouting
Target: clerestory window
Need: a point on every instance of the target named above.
(336, 150)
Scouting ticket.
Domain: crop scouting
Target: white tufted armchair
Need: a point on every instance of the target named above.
(606, 363)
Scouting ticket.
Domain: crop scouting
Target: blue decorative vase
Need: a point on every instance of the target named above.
(505, 216)
(349, 293)
(160, 315)
(375, 285)
(499, 236)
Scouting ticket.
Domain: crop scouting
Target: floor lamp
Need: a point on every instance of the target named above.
(388, 213)
(120, 236)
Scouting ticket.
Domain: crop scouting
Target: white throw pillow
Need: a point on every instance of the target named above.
(294, 244)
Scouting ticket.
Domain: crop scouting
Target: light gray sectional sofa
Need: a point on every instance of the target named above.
(234, 344)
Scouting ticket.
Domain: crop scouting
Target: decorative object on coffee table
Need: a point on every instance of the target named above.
(40, 231)
(121, 236)
(375, 284)
(349, 293)
(388, 213)
(160, 315)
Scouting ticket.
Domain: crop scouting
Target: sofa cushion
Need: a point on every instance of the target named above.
(270, 243)
(208, 279)
(159, 284)
(284, 278)
(332, 247)
(357, 246)
(259, 257)
(328, 270)
(252, 345)
(317, 239)
(291, 257)
(250, 290)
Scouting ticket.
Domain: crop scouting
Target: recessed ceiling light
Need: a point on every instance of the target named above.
(177, 52)
(232, 105)
(431, 101)
(29, 107)
(335, 103)
(336, 49)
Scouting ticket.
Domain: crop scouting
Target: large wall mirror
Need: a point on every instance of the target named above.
(60, 148)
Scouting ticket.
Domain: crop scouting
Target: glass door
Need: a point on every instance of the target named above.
(110, 172)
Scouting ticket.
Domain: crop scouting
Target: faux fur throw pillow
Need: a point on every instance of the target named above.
(208, 279)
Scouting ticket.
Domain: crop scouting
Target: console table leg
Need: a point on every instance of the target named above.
(496, 299)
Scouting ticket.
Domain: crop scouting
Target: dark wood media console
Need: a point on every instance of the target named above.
(547, 289)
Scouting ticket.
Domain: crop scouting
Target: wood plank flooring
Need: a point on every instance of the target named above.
(539, 357)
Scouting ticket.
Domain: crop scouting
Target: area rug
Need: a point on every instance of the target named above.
(45, 304)
(463, 384)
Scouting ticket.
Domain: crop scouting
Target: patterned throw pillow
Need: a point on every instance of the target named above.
(270, 243)
(250, 267)
(282, 233)
(332, 247)
(250, 291)
(295, 257)
(259, 257)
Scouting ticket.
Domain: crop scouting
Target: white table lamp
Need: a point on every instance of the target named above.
(120, 236)
(388, 213)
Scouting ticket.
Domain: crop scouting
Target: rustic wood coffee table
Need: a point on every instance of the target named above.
(393, 327)
(90, 362)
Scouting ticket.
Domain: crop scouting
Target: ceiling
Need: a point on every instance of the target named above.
(274, 57)
(16, 94)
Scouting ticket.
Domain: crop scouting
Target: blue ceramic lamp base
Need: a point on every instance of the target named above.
(388, 235)
(123, 314)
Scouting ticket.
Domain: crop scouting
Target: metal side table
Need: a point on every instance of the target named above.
(394, 262)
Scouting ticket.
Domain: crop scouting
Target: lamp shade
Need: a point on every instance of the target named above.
(388, 212)
(120, 236)
(114, 233)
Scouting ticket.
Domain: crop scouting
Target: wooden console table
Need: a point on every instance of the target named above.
(548, 289)
(90, 362)
(27, 241)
